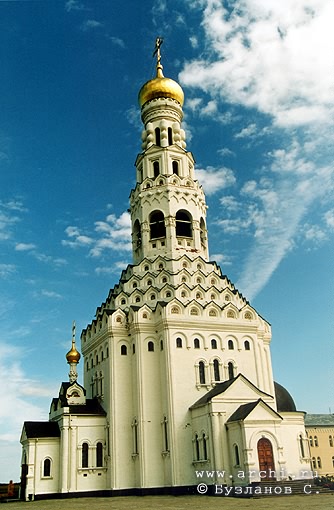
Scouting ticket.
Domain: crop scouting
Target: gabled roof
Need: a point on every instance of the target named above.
(221, 388)
(244, 410)
(35, 429)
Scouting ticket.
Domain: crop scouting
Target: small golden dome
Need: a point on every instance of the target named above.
(73, 356)
(160, 87)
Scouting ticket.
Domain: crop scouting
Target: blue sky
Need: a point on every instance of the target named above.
(258, 117)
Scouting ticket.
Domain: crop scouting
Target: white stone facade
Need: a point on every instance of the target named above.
(176, 358)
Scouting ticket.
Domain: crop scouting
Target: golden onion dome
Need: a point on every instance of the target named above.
(160, 87)
(73, 356)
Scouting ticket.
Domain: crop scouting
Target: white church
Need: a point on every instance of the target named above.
(178, 385)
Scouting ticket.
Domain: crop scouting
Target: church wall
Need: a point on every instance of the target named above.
(37, 451)
(120, 411)
(91, 430)
(297, 456)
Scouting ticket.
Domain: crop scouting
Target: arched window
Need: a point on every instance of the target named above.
(165, 434)
(179, 342)
(311, 440)
(333, 461)
(99, 454)
(202, 231)
(331, 441)
(157, 225)
(301, 444)
(150, 346)
(201, 372)
(196, 343)
(216, 370)
(316, 441)
(314, 463)
(230, 369)
(170, 136)
(156, 168)
(319, 462)
(47, 467)
(161, 345)
(183, 224)
(135, 436)
(175, 167)
(124, 350)
(213, 344)
(236, 455)
(230, 345)
(137, 234)
(157, 136)
(197, 454)
(247, 345)
(133, 349)
(205, 447)
(84, 455)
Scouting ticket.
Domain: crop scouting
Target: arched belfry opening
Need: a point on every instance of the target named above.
(157, 225)
(183, 224)
(137, 234)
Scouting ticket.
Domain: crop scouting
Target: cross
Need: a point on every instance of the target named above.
(158, 43)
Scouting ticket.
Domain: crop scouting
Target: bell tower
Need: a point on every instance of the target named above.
(168, 208)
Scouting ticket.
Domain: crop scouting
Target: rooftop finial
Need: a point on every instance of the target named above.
(73, 332)
(158, 43)
(73, 357)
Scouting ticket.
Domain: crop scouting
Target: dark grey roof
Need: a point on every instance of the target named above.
(92, 406)
(220, 388)
(244, 410)
(36, 429)
(285, 402)
(319, 420)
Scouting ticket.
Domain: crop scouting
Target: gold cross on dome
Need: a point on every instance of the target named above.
(158, 43)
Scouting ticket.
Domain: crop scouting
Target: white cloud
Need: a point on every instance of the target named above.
(329, 219)
(24, 246)
(220, 258)
(91, 24)
(274, 208)
(6, 270)
(248, 131)
(74, 5)
(194, 103)
(114, 233)
(14, 408)
(116, 41)
(193, 41)
(225, 151)
(17, 391)
(215, 179)
(50, 294)
(6, 225)
(273, 56)
(314, 234)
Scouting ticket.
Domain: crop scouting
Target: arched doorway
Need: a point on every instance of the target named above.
(266, 459)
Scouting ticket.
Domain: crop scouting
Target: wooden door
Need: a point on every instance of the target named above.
(266, 459)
